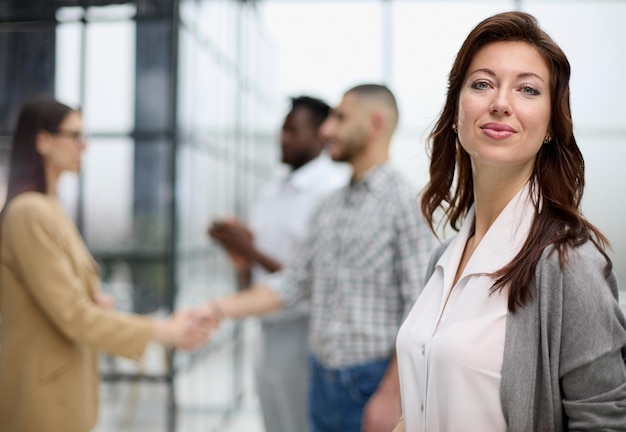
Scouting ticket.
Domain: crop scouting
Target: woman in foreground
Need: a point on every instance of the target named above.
(519, 327)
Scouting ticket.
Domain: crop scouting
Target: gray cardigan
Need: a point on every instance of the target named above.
(564, 365)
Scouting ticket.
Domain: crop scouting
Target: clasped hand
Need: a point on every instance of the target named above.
(236, 238)
(187, 329)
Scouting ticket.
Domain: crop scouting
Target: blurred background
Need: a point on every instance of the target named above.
(183, 101)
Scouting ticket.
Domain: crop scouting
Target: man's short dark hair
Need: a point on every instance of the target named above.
(380, 92)
(376, 90)
(318, 108)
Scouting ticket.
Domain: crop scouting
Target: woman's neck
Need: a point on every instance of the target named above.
(52, 181)
(491, 195)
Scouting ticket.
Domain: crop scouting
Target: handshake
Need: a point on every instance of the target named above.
(189, 329)
(185, 329)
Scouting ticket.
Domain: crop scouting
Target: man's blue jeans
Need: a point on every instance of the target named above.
(337, 396)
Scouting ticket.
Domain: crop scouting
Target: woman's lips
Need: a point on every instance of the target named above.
(497, 130)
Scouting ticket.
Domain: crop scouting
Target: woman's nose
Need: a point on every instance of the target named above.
(500, 103)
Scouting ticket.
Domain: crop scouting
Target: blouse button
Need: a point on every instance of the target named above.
(422, 406)
(423, 349)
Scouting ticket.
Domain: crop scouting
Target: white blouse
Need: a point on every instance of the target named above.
(450, 351)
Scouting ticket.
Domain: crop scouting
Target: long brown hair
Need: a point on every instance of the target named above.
(558, 175)
(26, 170)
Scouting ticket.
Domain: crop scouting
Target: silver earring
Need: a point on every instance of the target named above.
(455, 129)
(547, 139)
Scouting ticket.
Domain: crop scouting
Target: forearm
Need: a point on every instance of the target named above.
(258, 300)
(116, 333)
(163, 333)
(390, 383)
(265, 261)
(383, 410)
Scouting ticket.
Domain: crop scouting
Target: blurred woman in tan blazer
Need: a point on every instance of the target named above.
(54, 318)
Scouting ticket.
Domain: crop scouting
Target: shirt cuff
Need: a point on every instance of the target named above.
(286, 291)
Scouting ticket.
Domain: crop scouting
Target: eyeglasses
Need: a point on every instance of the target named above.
(75, 135)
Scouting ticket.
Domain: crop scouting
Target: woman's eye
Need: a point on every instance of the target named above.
(480, 85)
(529, 90)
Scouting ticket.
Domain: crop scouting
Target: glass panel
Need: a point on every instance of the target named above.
(152, 185)
(195, 193)
(206, 107)
(227, 100)
(154, 68)
(209, 13)
(108, 179)
(67, 78)
(69, 190)
(188, 10)
(112, 12)
(127, 406)
(27, 64)
(213, 82)
(202, 277)
(207, 392)
(186, 74)
(24, 10)
(150, 286)
(7, 108)
(229, 25)
(110, 77)
(137, 286)
(70, 13)
(127, 196)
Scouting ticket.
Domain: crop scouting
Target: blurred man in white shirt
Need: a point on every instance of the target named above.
(278, 224)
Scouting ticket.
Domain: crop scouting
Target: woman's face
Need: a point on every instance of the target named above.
(62, 149)
(504, 106)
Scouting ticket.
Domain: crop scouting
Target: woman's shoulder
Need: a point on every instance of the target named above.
(578, 259)
(584, 269)
(29, 206)
(29, 199)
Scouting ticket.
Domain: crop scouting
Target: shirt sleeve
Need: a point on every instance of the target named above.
(47, 271)
(414, 244)
(593, 345)
(293, 283)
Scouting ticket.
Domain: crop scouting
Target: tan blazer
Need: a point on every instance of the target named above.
(51, 329)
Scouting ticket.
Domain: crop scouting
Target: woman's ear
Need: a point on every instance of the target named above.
(43, 142)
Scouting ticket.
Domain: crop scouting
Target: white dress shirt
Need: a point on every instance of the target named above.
(283, 210)
(450, 348)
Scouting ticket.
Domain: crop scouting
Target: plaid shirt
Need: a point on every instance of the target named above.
(362, 265)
